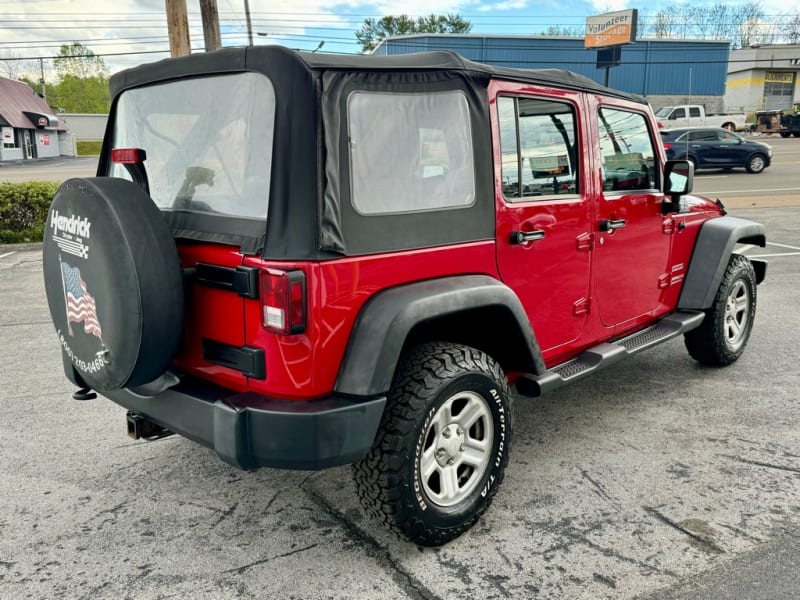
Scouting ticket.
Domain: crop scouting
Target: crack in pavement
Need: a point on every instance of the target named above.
(600, 490)
(242, 569)
(410, 584)
(573, 535)
(704, 543)
(759, 463)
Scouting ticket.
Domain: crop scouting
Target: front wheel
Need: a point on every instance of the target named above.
(442, 446)
(724, 333)
(756, 163)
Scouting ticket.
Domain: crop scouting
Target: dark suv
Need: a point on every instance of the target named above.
(716, 148)
(303, 261)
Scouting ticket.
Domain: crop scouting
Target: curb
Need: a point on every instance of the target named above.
(21, 247)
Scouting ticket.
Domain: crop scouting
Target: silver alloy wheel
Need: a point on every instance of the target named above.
(737, 312)
(757, 164)
(456, 448)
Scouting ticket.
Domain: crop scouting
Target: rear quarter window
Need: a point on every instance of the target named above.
(410, 152)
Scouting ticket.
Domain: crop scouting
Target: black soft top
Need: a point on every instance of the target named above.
(312, 217)
(260, 58)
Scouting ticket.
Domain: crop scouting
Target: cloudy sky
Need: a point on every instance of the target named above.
(135, 32)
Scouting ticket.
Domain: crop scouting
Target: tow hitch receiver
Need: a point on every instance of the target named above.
(141, 428)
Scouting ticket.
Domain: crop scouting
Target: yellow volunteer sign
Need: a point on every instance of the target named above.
(778, 77)
(611, 29)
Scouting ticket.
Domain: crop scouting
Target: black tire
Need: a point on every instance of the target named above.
(436, 385)
(786, 134)
(114, 282)
(756, 163)
(724, 333)
(729, 126)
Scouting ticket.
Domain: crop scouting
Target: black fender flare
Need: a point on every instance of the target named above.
(387, 318)
(712, 251)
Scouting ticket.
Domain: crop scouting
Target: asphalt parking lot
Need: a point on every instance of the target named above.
(656, 478)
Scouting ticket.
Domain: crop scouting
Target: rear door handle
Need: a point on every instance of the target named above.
(606, 225)
(523, 237)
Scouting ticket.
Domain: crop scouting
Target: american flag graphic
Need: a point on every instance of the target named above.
(80, 304)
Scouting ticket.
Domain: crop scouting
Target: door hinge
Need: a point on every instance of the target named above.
(584, 241)
(581, 307)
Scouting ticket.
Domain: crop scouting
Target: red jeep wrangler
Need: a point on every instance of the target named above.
(305, 260)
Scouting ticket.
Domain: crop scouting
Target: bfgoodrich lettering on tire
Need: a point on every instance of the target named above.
(442, 446)
(724, 333)
(113, 281)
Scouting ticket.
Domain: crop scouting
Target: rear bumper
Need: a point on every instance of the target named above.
(249, 430)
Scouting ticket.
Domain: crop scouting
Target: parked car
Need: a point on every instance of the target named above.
(715, 148)
(303, 260)
(694, 115)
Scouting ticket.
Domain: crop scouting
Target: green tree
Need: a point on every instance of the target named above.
(82, 81)
(78, 60)
(80, 94)
(373, 31)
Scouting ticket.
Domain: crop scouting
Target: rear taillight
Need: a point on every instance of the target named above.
(128, 155)
(667, 146)
(283, 301)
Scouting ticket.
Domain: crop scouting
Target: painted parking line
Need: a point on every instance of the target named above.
(782, 246)
(8, 254)
(773, 255)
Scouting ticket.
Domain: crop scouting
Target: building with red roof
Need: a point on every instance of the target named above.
(28, 127)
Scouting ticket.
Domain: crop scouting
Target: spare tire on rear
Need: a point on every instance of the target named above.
(113, 281)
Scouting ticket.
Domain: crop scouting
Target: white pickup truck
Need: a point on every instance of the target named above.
(688, 115)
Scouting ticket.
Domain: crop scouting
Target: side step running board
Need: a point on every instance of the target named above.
(608, 353)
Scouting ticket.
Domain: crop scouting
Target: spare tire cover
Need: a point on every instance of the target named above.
(114, 282)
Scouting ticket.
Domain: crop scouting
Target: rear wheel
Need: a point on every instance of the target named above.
(756, 163)
(442, 447)
(722, 337)
(729, 126)
(786, 134)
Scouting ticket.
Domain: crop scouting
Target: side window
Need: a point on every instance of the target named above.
(678, 113)
(410, 152)
(538, 147)
(702, 136)
(626, 150)
(694, 111)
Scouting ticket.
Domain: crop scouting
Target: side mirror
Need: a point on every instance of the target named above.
(678, 180)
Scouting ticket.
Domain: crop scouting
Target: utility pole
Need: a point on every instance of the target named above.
(178, 27)
(44, 87)
(208, 10)
(249, 22)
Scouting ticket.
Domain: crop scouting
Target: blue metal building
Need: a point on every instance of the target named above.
(696, 68)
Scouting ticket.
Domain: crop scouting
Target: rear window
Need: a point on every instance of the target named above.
(208, 142)
(410, 152)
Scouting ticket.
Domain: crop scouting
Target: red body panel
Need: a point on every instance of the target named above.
(578, 285)
(556, 309)
(305, 366)
(211, 313)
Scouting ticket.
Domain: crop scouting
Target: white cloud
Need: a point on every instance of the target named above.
(506, 5)
(604, 6)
